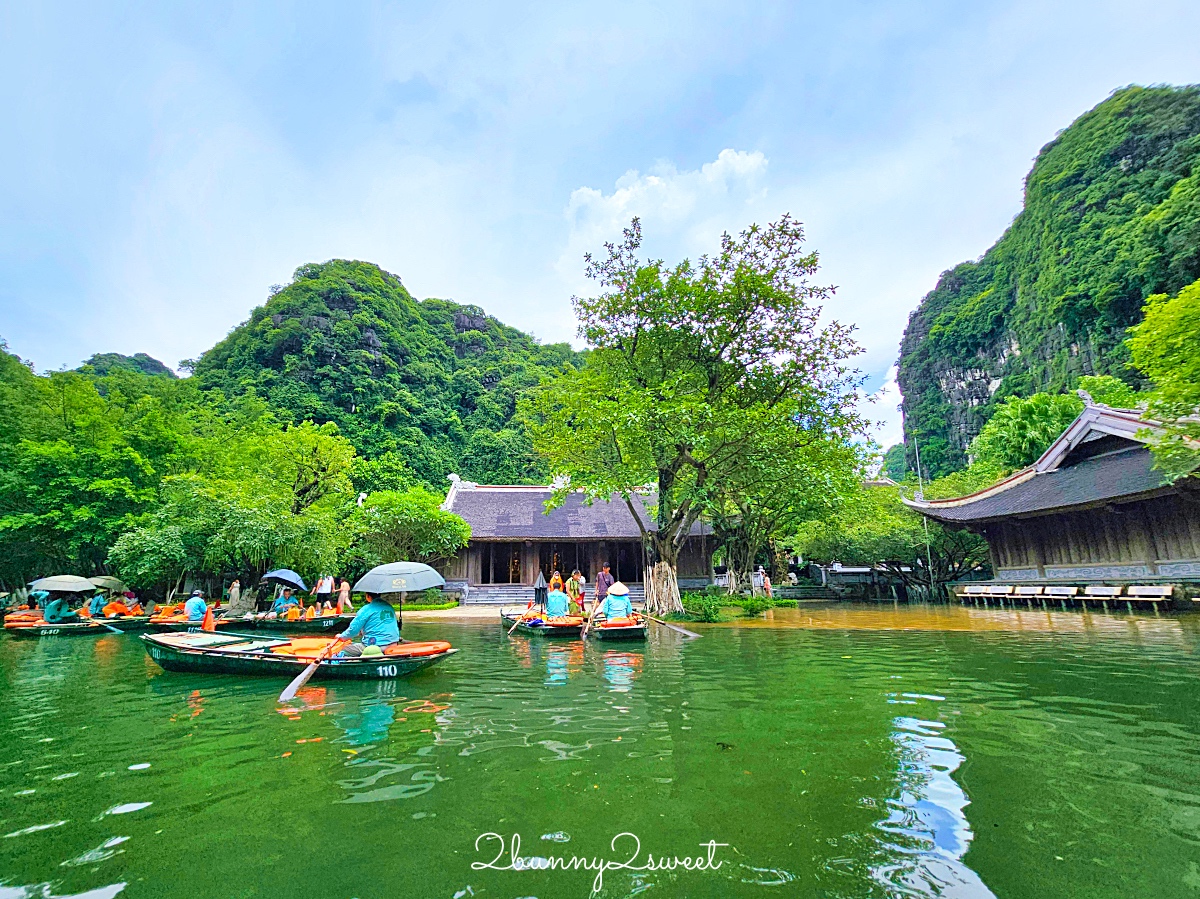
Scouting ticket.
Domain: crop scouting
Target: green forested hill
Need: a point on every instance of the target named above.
(1111, 216)
(431, 380)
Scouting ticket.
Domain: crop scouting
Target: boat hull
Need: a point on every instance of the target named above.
(550, 631)
(173, 655)
(68, 629)
(164, 627)
(325, 625)
(633, 632)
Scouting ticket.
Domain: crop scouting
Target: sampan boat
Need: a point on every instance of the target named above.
(84, 627)
(322, 624)
(172, 623)
(210, 653)
(568, 627)
(619, 629)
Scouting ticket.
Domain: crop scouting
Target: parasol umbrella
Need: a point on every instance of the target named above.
(108, 582)
(399, 577)
(287, 577)
(63, 583)
(539, 590)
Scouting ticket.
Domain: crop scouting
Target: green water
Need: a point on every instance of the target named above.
(837, 753)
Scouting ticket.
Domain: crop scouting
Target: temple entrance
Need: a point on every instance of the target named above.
(500, 563)
(563, 558)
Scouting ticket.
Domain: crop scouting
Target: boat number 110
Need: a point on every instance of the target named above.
(386, 670)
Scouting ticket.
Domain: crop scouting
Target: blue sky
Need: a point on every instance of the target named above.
(162, 166)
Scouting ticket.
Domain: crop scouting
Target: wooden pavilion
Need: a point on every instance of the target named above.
(1092, 512)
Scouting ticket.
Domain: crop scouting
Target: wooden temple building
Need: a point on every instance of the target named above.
(513, 539)
(1092, 512)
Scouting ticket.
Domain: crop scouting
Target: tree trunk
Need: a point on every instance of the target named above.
(662, 579)
(739, 559)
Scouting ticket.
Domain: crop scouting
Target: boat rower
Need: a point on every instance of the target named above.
(557, 605)
(285, 602)
(58, 610)
(616, 603)
(195, 608)
(377, 626)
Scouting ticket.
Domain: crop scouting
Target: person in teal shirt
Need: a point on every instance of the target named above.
(96, 606)
(58, 611)
(616, 604)
(377, 625)
(557, 604)
(284, 602)
(195, 608)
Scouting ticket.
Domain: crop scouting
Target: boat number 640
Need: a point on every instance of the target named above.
(386, 670)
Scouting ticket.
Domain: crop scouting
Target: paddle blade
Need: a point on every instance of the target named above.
(301, 679)
(209, 624)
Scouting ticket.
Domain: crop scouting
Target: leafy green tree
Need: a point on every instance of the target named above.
(1166, 347)
(408, 525)
(1022, 429)
(894, 465)
(781, 483)
(690, 366)
(875, 528)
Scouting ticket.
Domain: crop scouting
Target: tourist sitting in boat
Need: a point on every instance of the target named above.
(58, 610)
(94, 607)
(195, 608)
(377, 626)
(616, 603)
(285, 602)
(557, 604)
(116, 608)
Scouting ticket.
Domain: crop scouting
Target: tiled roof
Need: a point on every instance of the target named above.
(1105, 478)
(518, 513)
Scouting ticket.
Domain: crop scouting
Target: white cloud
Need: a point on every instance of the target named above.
(683, 212)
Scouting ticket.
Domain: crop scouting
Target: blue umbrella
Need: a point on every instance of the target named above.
(287, 577)
(399, 577)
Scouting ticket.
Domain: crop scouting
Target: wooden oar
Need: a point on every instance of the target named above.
(520, 618)
(587, 625)
(680, 630)
(302, 678)
(115, 630)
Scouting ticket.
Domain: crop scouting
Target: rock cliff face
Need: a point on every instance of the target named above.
(431, 380)
(1111, 216)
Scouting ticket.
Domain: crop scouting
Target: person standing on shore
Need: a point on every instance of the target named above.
(343, 601)
(324, 589)
(604, 580)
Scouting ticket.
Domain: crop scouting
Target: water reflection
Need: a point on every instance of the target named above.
(620, 669)
(927, 832)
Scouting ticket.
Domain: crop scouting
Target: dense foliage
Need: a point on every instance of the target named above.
(1166, 346)
(1111, 217)
(875, 527)
(432, 382)
(153, 478)
(700, 375)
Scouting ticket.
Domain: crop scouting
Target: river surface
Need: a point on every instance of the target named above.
(831, 752)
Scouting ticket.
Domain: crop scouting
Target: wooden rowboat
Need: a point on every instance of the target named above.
(619, 629)
(84, 627)
(568, 627)
(322, 624)
(180, 623)
(209, 653)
